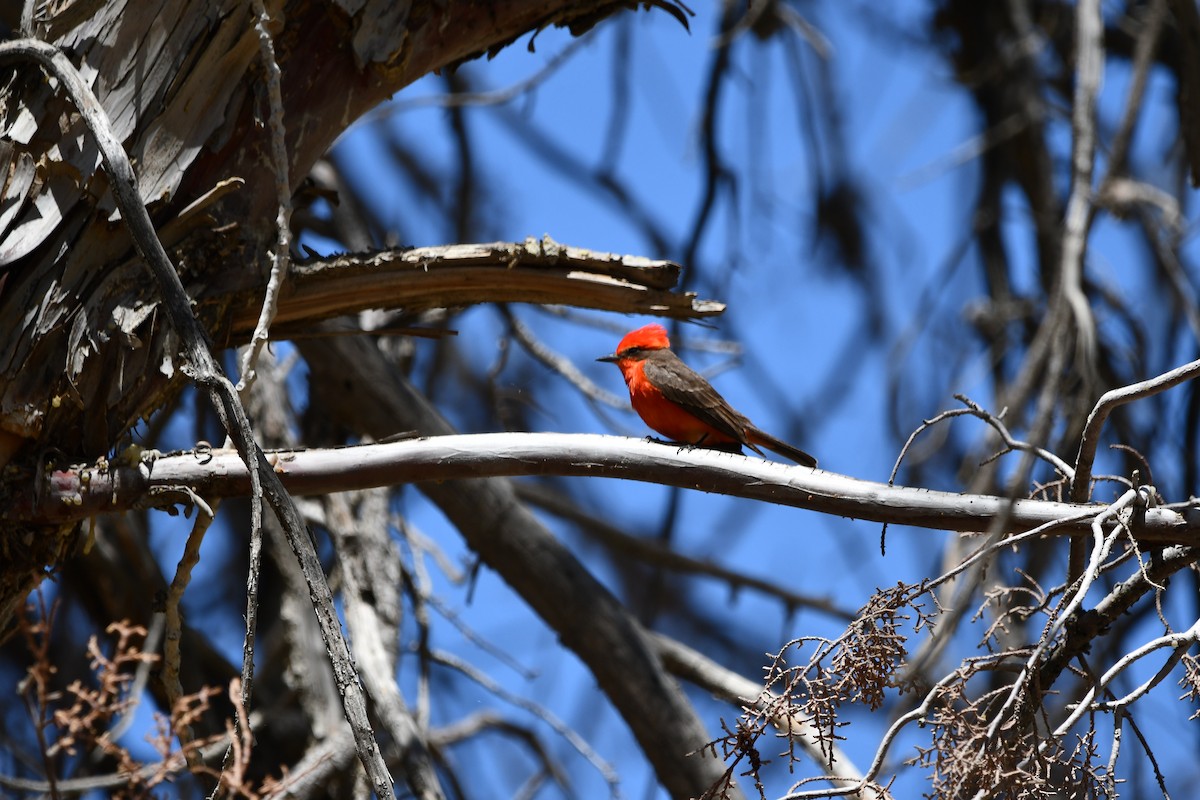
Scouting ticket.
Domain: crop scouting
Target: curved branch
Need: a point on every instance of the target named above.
(78, 493)
(1090, 440)
(1179, 643)
(1089, 48)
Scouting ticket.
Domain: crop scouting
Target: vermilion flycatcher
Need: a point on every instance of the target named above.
(676, 401)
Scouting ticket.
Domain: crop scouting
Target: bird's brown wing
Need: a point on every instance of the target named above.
(685, 387)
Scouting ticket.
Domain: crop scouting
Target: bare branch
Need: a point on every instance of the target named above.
(205, 514)
(486, 98)
(370, 571)
(371, 396)
(1102, 544)
(560, 364)
(1089, 53)
(533, 271)
(477, 723)
(658, 554)
(77, 493)
(571, 736)
(975, 410)
(283, 193)
(1089, 442)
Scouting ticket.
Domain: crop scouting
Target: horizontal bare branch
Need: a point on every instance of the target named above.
(81, 492)
(534, 271)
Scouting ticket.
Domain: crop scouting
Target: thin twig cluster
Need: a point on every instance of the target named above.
(87, 719)
(1039, 715)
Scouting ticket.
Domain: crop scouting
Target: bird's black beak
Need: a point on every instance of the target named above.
(612, 359)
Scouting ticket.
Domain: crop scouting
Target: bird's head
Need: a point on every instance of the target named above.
(638, 344)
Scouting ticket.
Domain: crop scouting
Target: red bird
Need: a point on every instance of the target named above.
(676, 401)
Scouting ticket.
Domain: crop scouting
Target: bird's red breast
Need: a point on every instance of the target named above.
(668, 418)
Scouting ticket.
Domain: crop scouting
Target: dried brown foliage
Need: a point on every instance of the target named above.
(81, 719)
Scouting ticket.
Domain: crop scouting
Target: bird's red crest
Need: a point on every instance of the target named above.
(650, 337)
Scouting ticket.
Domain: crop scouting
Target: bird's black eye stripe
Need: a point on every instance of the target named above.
(630, 352)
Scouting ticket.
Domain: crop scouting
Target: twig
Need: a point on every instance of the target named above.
(1179, 643)
(202, 368)
(205, 514)
(93, 783)
(1000, 133)
(365, 552)
(418, 586)
(991, 547)
(154, 639)
(932, 698)
(1102, 543)
(1090, 440)
(654, 552)
(494, 650)
(1114, 750)
(1012, 443)
(912, 437)
(1143, 59)
(279, 266)
(463, 729)
(1158, 776)
(545, 715)
(555, 361)
(283, 196)
(975, 410)
(695, 667)
(491, 98)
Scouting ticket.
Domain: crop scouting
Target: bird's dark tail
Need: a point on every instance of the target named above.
(755, 436)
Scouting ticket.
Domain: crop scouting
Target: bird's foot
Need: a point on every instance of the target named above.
(724, 447)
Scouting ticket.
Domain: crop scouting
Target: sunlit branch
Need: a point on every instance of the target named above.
(71, 494)
(1102, 544)
(1089, 442)
(1179, 644)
